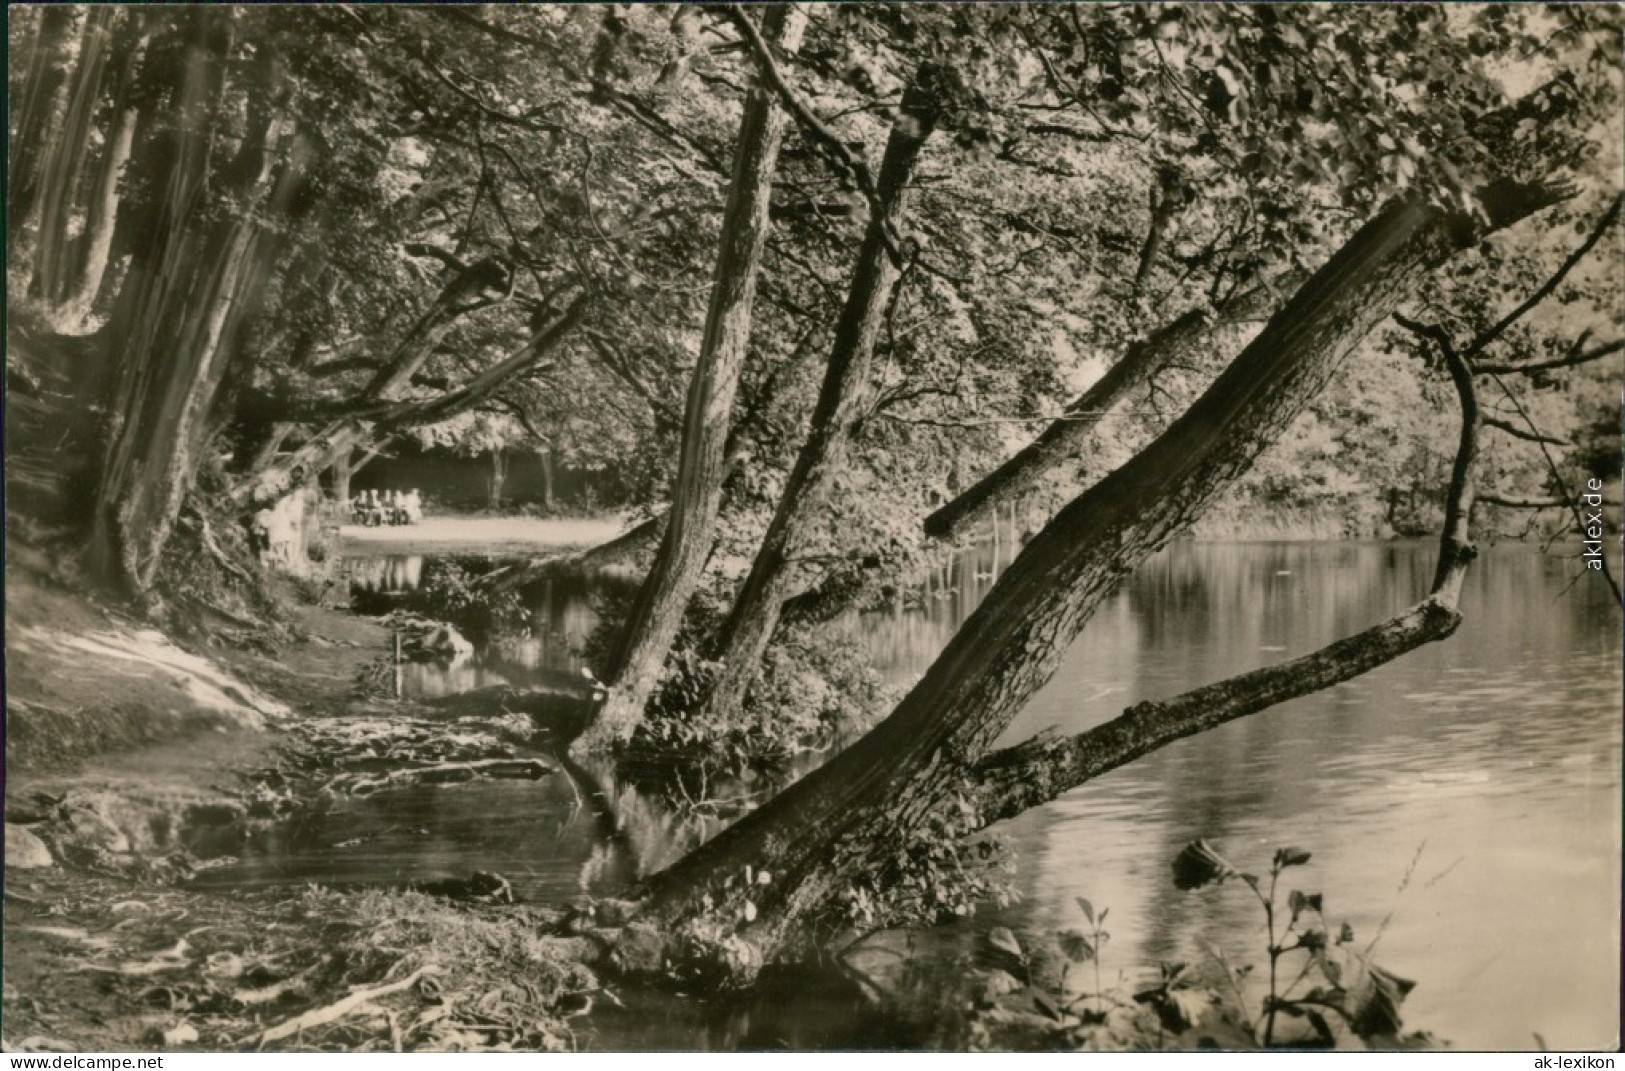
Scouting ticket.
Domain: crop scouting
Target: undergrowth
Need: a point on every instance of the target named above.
(1313, 989)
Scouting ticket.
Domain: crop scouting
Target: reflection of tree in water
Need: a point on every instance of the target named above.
(397, 572)
(1490, 748)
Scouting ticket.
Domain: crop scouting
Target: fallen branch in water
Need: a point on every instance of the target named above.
(357, 998)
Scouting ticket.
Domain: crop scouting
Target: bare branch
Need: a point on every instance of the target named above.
(1562, 484)
(483, 386)
(1529, 435)
(1568, 361)
(664, 411)
(1478, 344)
(1524, 502)
(434, 252)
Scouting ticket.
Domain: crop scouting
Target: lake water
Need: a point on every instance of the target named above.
(1462, 804)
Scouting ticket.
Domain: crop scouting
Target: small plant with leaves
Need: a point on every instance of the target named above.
(1025, 996)
(936, 877)
(1085, 947)
(1322, 992)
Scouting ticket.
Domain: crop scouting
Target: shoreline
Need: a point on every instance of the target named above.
(526, 533)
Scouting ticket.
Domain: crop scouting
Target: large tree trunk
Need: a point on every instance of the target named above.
(1031, 773)
(33, 116)
(846, 394)
(697, 490)
(185, 300)
(63, 165)
(1071, 440)
(846, 818)
(80, 288)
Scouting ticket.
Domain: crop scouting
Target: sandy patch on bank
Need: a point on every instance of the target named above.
(520, 533)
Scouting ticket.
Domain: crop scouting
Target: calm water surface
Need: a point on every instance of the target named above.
(1462, 804)
(1468, 794)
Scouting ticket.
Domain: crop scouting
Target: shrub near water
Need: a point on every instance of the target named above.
(812, 690)
(1320, 990)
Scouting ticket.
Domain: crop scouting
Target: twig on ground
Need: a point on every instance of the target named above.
(356, 998)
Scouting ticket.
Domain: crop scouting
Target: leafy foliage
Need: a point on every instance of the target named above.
(1339, 998)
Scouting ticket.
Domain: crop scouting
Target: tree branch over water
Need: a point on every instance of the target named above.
(1018, 778)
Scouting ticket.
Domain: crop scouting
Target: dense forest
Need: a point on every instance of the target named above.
(825, 289)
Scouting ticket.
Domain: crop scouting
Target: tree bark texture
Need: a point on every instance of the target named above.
(35, 111)
(1071, 440)
(63, 163)
(184, 301)
(697, 490)
(81, 285)
(844, 818)
(846, 394)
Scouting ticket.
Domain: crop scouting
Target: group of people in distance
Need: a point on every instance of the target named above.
(373, 508)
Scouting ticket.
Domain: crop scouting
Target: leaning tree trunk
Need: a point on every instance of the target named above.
(847, 818)
(697, 490)
(185, 300)
(1071, 440)
(369, 424)
(846, 394)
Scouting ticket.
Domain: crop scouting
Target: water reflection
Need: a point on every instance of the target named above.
(393, 573)
(1469, 790)
(554, 620)
(581, 830)
(1463, 803)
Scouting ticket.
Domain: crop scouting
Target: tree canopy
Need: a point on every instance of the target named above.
(826, 283)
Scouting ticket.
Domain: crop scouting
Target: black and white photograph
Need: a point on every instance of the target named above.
(813, 527)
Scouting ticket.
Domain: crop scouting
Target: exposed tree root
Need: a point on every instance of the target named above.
(444, 773)
(339, 1009)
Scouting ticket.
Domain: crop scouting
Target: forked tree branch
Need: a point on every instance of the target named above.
(814, 127)
(1018, 778)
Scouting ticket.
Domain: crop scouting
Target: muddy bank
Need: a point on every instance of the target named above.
(84, 679)
(136, 766)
